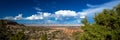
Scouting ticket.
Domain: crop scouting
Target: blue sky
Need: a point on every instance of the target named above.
(53, 11)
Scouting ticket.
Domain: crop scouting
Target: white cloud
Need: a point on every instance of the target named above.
(82, 16)
(46, 14)
(34, 17)
(92, 11)
(19, 17)
(65, 13)
(40, 15)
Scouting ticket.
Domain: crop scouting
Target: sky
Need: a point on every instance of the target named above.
(53, 11)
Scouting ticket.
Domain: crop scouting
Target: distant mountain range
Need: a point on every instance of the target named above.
(54, 25)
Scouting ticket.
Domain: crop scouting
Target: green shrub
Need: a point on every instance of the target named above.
(44, 37)
(106, 26)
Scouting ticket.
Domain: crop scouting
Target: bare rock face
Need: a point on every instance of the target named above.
(69, 31)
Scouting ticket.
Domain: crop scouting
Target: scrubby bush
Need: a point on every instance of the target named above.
(44, 37)
(7, 33)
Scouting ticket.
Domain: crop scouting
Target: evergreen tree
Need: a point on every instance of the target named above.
(106, 26)
(85, 21)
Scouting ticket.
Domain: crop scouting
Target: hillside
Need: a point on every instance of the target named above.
(41, 32)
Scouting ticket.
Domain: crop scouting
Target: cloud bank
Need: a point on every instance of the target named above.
(19, 17)
(67, 15)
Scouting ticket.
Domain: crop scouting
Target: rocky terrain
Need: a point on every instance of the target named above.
(40, 32)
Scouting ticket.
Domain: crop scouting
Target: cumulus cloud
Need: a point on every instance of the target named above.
(34, 17)
(39, 15)
(46, 14)
(19, 17)
(82, 16)
(65, 13)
